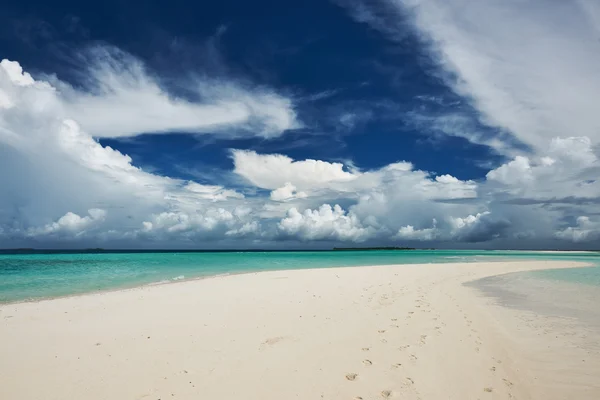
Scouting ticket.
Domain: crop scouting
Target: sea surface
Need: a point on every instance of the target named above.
(38, 276)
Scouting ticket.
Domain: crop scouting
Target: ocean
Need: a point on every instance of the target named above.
(38, 276)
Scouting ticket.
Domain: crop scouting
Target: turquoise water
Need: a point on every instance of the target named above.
(35, 276)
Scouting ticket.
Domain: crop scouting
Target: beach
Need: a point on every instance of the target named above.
(399, 331)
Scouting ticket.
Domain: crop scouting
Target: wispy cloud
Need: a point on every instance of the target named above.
(117, 84)
(508, 58)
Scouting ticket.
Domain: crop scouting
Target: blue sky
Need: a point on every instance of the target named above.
(234, 124)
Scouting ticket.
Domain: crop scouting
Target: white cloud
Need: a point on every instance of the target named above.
(116, 83)
(566, 169)
(529, 68)
(16, 74)
(409, 232)
(281, 173)
(249, 229)
(64, 185)
(326, 223)
(60, 170)
(70, 224)
(472, 229)
(210, 224)
(174, 222)
(462, 223)
(211, 192)
(576, 151)
(513, 172)
(273, 171)
(584, 231)
(480, 227)
(287, 192)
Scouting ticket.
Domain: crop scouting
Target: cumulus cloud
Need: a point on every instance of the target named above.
(273, 171)
(70, 224)
(409, 232)
(60, 171)
(183, 222)
(118, 84)
(63, 184)
(287, 192)
(567, 166)
(517, 171)
(281, 173)
(326, 223)
(481, 227)
(585, 230)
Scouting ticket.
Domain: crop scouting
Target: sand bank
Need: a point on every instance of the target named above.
(405, 332)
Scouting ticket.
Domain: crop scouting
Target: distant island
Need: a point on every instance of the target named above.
(373, 248)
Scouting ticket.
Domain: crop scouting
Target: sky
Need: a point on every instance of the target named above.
(303, 125)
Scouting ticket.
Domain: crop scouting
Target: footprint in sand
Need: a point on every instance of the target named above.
(412, 357)
(386, 394)
(351, 376)
(396, 366)
(274, 340)
(507, 382)
(367, 362)
(488, 390)
(381, 331)
(365, 349)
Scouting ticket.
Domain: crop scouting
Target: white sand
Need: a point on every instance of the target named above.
(403, 332)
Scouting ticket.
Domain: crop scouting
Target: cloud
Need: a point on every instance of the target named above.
(213, 222)
(60, 172)
(63, 186)
(63, 170)
(326, 223)
(272, 171)
(385, 199)
(211, 192)
(585, 230)
(409, 232)
(113, 82)
(517, 171)
(460, 124)
(520, 72)
(287, 192)
(70, 224)
(568, 165)
(481, 227)
(278, 172)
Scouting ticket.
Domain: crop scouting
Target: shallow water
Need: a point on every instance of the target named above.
(561, 293)
(35, 276)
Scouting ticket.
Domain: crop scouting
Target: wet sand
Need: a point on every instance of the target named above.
(406, 332)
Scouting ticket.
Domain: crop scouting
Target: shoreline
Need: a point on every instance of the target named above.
(410, 331)
(584, 264)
